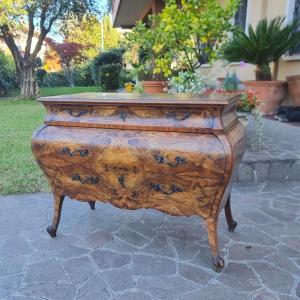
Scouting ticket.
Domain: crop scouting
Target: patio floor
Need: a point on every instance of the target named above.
(280, 151)
(110, 253)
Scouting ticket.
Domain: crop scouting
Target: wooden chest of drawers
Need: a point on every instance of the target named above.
(174, 153)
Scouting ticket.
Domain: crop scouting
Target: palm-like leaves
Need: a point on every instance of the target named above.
(266, 44)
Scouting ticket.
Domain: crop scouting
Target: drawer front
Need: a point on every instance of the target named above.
(178, 173)
(158, 118)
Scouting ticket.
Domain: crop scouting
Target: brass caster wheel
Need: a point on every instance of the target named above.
(52, 231)
(232, 226)
(218, 264)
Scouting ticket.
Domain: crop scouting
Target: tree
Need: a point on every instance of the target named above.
(52, 61)
(70, 54)
(39, 16)
(112, 37)
(88, 33)
(186, 34)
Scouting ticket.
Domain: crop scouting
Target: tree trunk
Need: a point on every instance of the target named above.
(28, 84)
(263, 73)
(69, 75)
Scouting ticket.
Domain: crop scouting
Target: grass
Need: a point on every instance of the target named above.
(19, 172)
(67, 90)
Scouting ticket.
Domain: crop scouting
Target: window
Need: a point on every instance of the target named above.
(293, 12)
(240, 17)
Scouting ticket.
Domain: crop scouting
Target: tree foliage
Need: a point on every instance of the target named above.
(52, 61)
(10, 12)
(112, 37)
(70, 55)
(7, 72)
(39, 16)
(186, 34)
(88, 32)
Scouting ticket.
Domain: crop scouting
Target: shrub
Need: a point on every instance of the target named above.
(40, 75)
(54, 79)
(113, 56)
(83, 76)
(125, 77)
(8, 77)
(231, 82)
(109, 76)
(107, 69)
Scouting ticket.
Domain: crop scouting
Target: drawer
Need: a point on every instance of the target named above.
(133, 117)
(134, 169)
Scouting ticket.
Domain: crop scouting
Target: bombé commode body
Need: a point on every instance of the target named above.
(175, 153)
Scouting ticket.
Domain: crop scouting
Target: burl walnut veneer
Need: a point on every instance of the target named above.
(175, 153)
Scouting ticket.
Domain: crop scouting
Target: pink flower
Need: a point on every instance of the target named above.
(242, 64)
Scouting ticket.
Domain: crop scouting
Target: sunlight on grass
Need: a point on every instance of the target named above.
(19, 172)
(68, 90)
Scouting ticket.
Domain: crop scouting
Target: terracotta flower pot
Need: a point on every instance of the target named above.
(153, 87)
(270, 94)
(294, 88)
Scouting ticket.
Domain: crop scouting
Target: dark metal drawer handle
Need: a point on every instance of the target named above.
(160, 188)
(121, 181)
(88, 179)
(123, 115)
(76, 113)
(163, 160)
(178, 116)
(67, 151)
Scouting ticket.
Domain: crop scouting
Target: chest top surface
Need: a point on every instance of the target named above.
(195, 100)
(155, 112)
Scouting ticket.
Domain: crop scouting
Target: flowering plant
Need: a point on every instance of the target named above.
(129, 86)
(188, 82)
(134, 88)
(247, 103)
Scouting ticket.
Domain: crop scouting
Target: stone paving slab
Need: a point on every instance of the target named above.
(113, 254)
(278, 159)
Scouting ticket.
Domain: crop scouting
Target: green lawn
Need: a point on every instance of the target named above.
(19, 172)
(67, 90)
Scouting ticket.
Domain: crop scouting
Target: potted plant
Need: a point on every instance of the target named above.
(140, 42)
(262, 46)
(294, 88)
(152, 82)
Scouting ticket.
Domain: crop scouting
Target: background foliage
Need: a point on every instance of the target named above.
(107, 69)
(185, 36)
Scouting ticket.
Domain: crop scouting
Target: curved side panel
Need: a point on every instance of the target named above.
(234, 143)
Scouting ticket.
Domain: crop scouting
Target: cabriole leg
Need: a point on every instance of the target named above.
(218, 262)
(92, 204)
(58, 202)
(230, 221)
